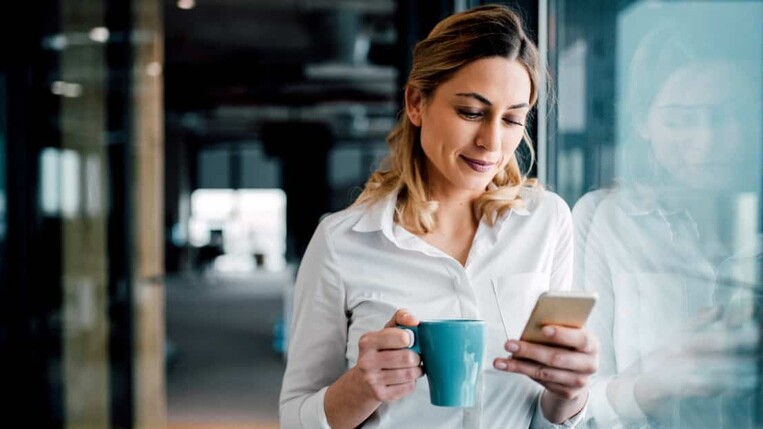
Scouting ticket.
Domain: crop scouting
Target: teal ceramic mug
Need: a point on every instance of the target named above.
(451, 354)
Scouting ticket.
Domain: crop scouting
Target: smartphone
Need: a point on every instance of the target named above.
(564, 308)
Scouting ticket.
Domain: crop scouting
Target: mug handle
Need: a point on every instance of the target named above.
(415, 330)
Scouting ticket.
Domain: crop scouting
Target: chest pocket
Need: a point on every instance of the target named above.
(652, 308)
(507, 301)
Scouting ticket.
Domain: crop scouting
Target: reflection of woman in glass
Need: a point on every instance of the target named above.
(654, 246)
(450, 229)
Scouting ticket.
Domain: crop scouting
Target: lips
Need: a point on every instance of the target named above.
(478, 165)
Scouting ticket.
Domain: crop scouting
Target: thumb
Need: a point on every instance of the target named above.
(402, 317)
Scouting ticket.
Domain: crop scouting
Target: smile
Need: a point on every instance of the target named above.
(477, 165)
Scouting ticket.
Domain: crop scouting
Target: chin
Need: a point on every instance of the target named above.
(473, 183)
(477, 187)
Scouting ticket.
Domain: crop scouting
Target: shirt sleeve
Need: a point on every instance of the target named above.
(540, 421)
(592, 274)
(317, 339)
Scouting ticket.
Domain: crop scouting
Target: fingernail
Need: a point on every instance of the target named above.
(501, 364)
(512, 347)
(549, 331)
(407, 316)
(411, 338)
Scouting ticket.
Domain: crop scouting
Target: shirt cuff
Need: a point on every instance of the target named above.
(540, 421)
(625, 398)
(601, 410)
(312, 413)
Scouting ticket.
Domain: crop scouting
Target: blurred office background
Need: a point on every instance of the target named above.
(163, 164)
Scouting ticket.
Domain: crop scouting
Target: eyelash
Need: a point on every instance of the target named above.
(472, 116)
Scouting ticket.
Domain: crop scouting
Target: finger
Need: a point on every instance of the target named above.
(543, 373)
(575, 338)
(556, 357)
(386, 339)
(724, 342)
(397, 391)
(395, 359)
(402, 317)
(391, 377)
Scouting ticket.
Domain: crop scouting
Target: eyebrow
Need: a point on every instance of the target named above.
(484, 100)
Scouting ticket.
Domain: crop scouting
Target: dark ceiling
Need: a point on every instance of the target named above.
(232, 65)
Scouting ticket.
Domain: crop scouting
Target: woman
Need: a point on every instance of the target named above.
(449, 228)
(675, 316)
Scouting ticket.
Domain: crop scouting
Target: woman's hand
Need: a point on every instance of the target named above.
(389, 369)
(386, 371)
(706, 357)
(563, 368)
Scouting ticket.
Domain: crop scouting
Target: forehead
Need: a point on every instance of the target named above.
(702, 84)
(500, 80)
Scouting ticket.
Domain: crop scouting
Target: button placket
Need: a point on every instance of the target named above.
(467, 298)
(471, 417)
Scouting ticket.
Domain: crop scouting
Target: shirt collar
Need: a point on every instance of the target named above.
(380, 216)
(638, 201)
(521, 210)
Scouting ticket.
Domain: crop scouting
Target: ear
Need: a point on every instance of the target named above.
(414, 102)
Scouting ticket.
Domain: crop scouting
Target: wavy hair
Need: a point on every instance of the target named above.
(482, 32)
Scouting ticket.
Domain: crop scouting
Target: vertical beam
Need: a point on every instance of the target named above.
(414, 20)
(120, 227)
(84, 268)
(542, 142)
(30, 319)
(147, 112)
(303, 150)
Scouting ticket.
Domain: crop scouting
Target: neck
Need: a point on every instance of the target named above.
(456, 225)
(455, 210)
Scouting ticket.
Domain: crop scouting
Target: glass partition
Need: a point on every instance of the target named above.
(656, 144)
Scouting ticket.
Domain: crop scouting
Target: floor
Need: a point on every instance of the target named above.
(223, 370)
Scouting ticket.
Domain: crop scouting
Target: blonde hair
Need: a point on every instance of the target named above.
(481, 32)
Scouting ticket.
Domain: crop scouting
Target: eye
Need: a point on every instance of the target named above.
(514, 121)
(470, 115)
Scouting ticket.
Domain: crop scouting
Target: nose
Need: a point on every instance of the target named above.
(489, 137)
(703, 136)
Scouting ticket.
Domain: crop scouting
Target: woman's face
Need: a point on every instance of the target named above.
(471, 124)
(691, 126)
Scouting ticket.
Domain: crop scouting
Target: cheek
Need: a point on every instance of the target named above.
(431, 142)
(667, 143)
(664, 151)
(445, 137)
(511, 143)
(431, 145)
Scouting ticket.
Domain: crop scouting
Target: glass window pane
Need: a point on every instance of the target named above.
(656, 144)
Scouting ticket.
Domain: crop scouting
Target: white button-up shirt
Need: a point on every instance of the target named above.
(361, 267)
(652, 278)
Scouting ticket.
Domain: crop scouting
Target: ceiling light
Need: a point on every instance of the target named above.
(99, 34)
(66, 89)
(154, 68)
(57, 87)
(58, 42)
(186, 4)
